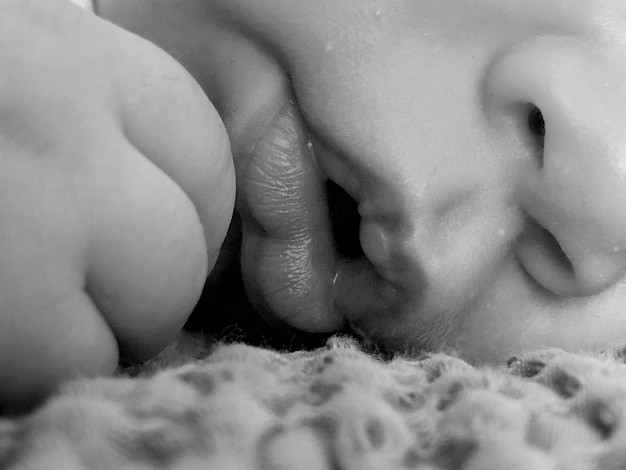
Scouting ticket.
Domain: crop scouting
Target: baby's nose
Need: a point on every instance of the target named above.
(563, 104)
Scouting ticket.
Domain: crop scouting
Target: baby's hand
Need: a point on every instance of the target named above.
(116, 190)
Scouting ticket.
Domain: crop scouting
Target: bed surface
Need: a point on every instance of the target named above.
(201, 405)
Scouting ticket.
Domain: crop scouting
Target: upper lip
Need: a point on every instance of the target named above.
(378, 219)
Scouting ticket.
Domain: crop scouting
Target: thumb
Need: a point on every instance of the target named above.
(170, 120)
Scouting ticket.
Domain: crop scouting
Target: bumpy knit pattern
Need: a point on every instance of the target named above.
(335, 408)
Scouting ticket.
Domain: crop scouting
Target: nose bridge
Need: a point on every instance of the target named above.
(574, 184)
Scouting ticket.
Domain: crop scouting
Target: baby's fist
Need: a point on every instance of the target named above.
(116, 190)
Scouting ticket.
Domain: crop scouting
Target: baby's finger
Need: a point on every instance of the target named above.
(147, 262)
(49, 328)
(288, 256)
(49, 338)
(170, 120)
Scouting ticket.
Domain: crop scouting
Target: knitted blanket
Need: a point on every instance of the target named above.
(241, 407)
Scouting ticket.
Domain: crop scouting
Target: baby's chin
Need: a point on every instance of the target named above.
(512, 316)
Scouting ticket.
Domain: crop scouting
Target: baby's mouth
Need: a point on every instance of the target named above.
(320, 240)
(365, 224)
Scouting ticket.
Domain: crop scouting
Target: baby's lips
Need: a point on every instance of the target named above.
(288, 256)
(360, 292)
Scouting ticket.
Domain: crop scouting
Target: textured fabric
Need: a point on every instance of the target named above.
(242, 407)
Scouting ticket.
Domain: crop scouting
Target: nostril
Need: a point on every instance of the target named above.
(543, 258)
(345, 221)
(554, 250)
(537, 129)
(536, 124)
(561, 272)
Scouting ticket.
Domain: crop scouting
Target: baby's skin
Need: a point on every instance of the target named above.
(481, 142)
(116, 190)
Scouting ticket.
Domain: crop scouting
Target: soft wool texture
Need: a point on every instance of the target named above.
(240, 407)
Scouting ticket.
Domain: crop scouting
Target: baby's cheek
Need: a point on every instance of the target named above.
(512, 319)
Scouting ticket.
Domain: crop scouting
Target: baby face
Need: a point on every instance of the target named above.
(483, 144)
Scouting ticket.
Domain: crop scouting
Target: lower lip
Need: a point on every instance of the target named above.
(545, 269)
(361, 286)
(360, 291)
